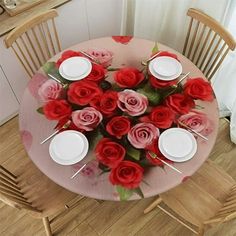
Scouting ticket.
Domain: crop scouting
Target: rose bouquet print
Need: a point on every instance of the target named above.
(123, 117)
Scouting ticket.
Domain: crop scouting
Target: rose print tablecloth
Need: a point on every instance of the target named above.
(34, 128)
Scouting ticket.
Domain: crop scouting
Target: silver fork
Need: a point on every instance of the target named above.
(144, 63)
(57, 80)
(181, 79)
(90, 57)
(65, 126)
(153, 155)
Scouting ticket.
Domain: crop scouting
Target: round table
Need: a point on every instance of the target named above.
(35, 127)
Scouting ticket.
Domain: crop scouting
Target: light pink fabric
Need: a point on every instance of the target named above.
(90, 183)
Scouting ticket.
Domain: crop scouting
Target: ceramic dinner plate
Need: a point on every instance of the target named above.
(68, 147)
(165, 68)
(75, 68)
(177, 144)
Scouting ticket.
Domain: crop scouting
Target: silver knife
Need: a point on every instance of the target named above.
(195, 132)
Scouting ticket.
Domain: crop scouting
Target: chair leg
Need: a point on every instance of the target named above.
(152, 205)
(47, 226)
(201, 231)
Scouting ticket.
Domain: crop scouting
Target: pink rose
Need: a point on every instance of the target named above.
(103, 56)
(143, 135)
(86, 119)
(132, 103)
(197, 121)
(50, 90)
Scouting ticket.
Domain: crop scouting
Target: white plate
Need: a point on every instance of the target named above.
(75, 68)
(165, 68)
(177, 144)
(68, 147)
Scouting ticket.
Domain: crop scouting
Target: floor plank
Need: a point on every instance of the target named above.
(6, 217)
(76, 216)
(25, 226)
(162, 224)
(83, 229)
(107, 214)
(132, 221)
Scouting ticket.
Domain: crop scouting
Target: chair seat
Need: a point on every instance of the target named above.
(44, 194)
(201, 196)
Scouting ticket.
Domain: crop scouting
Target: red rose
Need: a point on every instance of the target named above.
(127, 174)
(154, 149)
(180, 103)
(108, 102)
(97, 74)
(118, 126)
(122, 39)
(198, 88)
(128, 77)
(161, 116)
(57, 109)
(67, 54)
(82, 92)
(157, 83)
(109, 153)
(95, 102)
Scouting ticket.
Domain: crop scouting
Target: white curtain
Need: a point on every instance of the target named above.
(165, 21)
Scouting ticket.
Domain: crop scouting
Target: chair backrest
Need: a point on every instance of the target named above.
(11, 193)
(207, 42)
(227, 211)
(35, 41)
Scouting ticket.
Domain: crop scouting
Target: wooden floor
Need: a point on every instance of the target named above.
(91, 217)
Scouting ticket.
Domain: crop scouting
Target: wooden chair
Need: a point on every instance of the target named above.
(208, 197)
(207, 42)
(35, 193)
(35, 41)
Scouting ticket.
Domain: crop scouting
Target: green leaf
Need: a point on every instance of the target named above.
(124, 193)
(105, 85)
(199, 107)
(94, 137)
(145, 163)
(155, 48)
(50, 68)
(103, 168)
(139, 192)
(116, 87)
(40, 110)
(134, 153)
(113, 69)
(152, 95)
